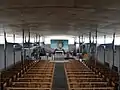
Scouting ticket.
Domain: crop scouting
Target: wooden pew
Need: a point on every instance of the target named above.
(83, 78)
(11, 73)
(38, 77)
(26, 88)
(93, 88)
(109, 74)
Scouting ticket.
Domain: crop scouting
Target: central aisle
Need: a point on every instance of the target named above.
(59, 79)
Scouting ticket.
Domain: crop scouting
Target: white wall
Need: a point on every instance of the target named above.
(117, 56)
(1, 56)
(109, 55)
(101, 54)
(17, 56)
(9, 56)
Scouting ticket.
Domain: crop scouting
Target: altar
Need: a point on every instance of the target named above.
(59, 55)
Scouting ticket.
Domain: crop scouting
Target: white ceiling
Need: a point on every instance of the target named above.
(60, 17)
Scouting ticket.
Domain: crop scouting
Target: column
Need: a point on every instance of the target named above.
(14, 49)
(113, 47)
(23, 47)
(29, 44)
(39, 46)
(96, 54)
(5, 49)
(79, 44)
(104, 47)
(90, 42)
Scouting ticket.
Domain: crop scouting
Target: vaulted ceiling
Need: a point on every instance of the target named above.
(60, 17)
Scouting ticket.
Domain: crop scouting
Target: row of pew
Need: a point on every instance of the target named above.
(80, 77)
(107, 73)
(39, 76)
(14, 71)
